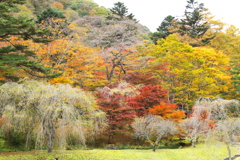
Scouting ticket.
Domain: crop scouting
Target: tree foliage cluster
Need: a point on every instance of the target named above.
(191, 27)
(47, 115)
(94, 73)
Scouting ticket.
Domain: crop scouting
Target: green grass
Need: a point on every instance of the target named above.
(201, 152)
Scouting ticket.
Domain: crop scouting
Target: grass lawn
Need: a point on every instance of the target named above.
(201, 152)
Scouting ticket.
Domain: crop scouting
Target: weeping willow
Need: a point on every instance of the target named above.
(215, 120)
(49, 115)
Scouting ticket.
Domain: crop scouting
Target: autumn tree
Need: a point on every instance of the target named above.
(71, 15)
(117, 59)
(26, 10)
(199, 124)
(120, 115)
(83, 7)
(147, 97)
(141, 78)
(228, 132)
(168, 111)
(79, 64)
(40, 5)
(235, 80)
(225, 114)
(153, 129)
(99, 11)
(48, 114)
(66, 3)
(115, 40)
(16, 57)
(58, 5)
(227, 42)
(214, 119)
(189, 73)
(55, 23)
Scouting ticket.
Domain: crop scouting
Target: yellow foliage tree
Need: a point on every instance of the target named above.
(189, 72)
(228, 42)
(58, 5)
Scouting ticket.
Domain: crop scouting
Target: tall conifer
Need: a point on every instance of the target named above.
(15, 56)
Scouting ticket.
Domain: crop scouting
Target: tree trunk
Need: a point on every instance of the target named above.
(107, 73)
(229, 152)
(30, 128)
(109, 139)
(110, 74)
(28, 137)
(193, 141)
(49, 149)
(50, 143)
(197, 140)
(51, 132)
(154, 147)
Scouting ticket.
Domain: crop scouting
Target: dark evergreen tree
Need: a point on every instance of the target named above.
(194, 24)
(14, 56)
(49, 19)
(121, 10)
(50, 13)
(165, 29)
(167, 23)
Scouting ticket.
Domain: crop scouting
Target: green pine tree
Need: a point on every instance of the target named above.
(50, 13)
(14, 57)
(194, 24)
(165, 29)
(121, 10)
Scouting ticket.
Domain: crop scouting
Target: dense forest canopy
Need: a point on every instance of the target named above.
(97, 70)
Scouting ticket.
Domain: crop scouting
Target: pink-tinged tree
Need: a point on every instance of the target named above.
(217, 118)
(199, 124)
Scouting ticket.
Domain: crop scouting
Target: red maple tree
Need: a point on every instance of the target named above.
(149, 96)
(111, 100)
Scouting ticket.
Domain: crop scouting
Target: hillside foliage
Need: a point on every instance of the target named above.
(73, 73)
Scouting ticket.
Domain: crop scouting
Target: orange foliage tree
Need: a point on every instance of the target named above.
(79, 64)
(168, 111)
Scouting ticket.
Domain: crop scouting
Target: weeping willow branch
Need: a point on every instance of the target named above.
(49, 113)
